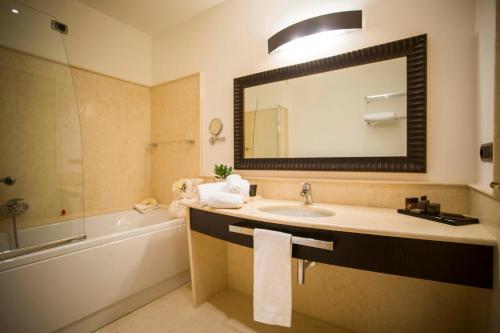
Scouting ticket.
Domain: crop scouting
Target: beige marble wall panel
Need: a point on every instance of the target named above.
(453, 198)
(208, 266)
(496, 116)
(115, 120)
(487, 209)
(364, 301)
(175, 108)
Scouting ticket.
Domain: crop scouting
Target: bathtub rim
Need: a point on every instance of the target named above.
(11, 254)
(53, 252)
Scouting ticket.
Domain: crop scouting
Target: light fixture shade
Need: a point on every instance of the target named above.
(334, 21)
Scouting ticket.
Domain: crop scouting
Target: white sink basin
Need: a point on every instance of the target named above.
(297, 211)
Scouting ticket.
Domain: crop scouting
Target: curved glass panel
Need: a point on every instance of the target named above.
(40, 141)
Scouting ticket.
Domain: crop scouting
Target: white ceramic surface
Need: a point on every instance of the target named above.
(297, 210)
(125, 254)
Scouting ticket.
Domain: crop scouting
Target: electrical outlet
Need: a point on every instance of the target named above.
(486, 152)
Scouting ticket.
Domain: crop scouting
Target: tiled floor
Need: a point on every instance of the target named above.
(228, 311)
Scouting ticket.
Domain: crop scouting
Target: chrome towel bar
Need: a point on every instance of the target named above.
(311, 242)
(155, 144)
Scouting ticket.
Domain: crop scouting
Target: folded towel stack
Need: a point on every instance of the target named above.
(147, 205)
(226, 200)
(206, 191)
(229, 194)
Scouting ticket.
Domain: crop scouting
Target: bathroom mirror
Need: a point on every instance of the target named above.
(359, 111)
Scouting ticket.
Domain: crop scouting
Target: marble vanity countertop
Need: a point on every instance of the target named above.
(359, 219)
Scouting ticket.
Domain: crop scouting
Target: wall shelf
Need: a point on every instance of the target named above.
(382, 97)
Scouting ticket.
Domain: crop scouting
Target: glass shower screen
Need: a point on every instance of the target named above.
(41, 169)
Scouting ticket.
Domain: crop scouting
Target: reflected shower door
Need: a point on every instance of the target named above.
(40, 141)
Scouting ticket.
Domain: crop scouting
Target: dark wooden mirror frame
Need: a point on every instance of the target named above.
(414, 48)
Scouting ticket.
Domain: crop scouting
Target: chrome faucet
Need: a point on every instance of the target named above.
(17, 206)
(307, 193)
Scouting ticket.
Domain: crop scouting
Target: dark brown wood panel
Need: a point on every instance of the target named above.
(414, 49)
(459, 263)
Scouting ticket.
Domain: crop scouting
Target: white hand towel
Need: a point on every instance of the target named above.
(226, 200)
(237, 185)
(146, 208)
(272, 277)
(206, 191)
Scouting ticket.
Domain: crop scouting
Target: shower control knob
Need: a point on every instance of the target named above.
(9, 180)
(17, 206)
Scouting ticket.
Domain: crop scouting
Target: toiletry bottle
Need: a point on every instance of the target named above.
(411, 203)
(423, 204)
(434, 209)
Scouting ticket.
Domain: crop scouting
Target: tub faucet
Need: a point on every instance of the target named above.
(17, 206)
(307, 193)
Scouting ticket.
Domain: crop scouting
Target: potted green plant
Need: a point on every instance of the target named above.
(222, 171)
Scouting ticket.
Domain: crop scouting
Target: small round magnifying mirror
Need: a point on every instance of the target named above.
(215, 126)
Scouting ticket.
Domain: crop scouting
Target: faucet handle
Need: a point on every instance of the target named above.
(14, 201)
(17, 206)
(306, 186)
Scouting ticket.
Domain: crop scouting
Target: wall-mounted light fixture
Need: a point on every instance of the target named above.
(335, 21)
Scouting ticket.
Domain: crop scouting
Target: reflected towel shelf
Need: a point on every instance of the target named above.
(380, 97)
(382, 117)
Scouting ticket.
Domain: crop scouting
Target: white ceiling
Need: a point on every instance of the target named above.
(151, 16)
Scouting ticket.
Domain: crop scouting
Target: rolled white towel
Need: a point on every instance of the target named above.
(226, 200)
(237, 185)
(205, 191)
(233, 177)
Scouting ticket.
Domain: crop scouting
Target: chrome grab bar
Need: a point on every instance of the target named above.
(310, 242)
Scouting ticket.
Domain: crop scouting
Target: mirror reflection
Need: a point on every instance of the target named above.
(351, 112)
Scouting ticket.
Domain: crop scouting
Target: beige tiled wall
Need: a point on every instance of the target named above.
(115, 118)
(174, 117)
(115, 121)
(40, 142)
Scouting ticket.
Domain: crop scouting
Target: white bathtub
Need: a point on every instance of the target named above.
(127, 260)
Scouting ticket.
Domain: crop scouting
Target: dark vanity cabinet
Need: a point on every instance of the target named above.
(459, 263)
